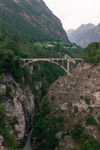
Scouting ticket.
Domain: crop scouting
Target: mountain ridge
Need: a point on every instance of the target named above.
(36, 17)
(85, 34)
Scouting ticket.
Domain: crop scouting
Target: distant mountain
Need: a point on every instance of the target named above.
(70, 30)
(32, 18)
(85, 34)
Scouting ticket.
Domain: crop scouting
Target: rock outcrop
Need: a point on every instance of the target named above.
(19, 106)
(1, 144)
(74, 97)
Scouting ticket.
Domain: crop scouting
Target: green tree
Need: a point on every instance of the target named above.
(77, 132)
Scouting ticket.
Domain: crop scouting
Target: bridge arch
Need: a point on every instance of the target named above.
(53, 60)
(32, 61)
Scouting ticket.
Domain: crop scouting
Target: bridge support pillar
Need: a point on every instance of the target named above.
(68, 66)
(62, 63)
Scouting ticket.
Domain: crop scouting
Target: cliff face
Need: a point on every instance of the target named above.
(19, 105)
(75, 98)
(34, 18)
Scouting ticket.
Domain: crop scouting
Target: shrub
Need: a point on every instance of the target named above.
(89, 76)
(77, 131)
(1, 77)
(8, 92)
(99, 118)
(52, 97)
(90, 120)
(90, 109)
(87, 101)
(45, 108)
(2, 96)
(81, 97)
(75, 109)
(89, 143)
(99, 126)
(60, 119)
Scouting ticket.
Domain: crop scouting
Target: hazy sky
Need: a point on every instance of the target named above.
(73, 13)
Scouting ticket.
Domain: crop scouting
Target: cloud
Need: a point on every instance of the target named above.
(73, 13)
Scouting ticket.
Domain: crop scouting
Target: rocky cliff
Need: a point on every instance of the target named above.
(19, 104)
(76, 98)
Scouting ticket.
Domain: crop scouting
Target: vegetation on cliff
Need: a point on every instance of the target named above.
(87, 141)
(45, 128)
(10, 64)
(75, 101)
(92, 53)
(9, 139)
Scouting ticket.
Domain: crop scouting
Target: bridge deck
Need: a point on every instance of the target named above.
(48, 59)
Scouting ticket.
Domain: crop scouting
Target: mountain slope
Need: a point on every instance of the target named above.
(33, 18)
(85, 34)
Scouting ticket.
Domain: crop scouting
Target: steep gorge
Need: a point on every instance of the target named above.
(21, 100)
(75, 102)
(26, 101)
(72, 99)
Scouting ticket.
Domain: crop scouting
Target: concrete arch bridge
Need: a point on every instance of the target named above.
(54, 61)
